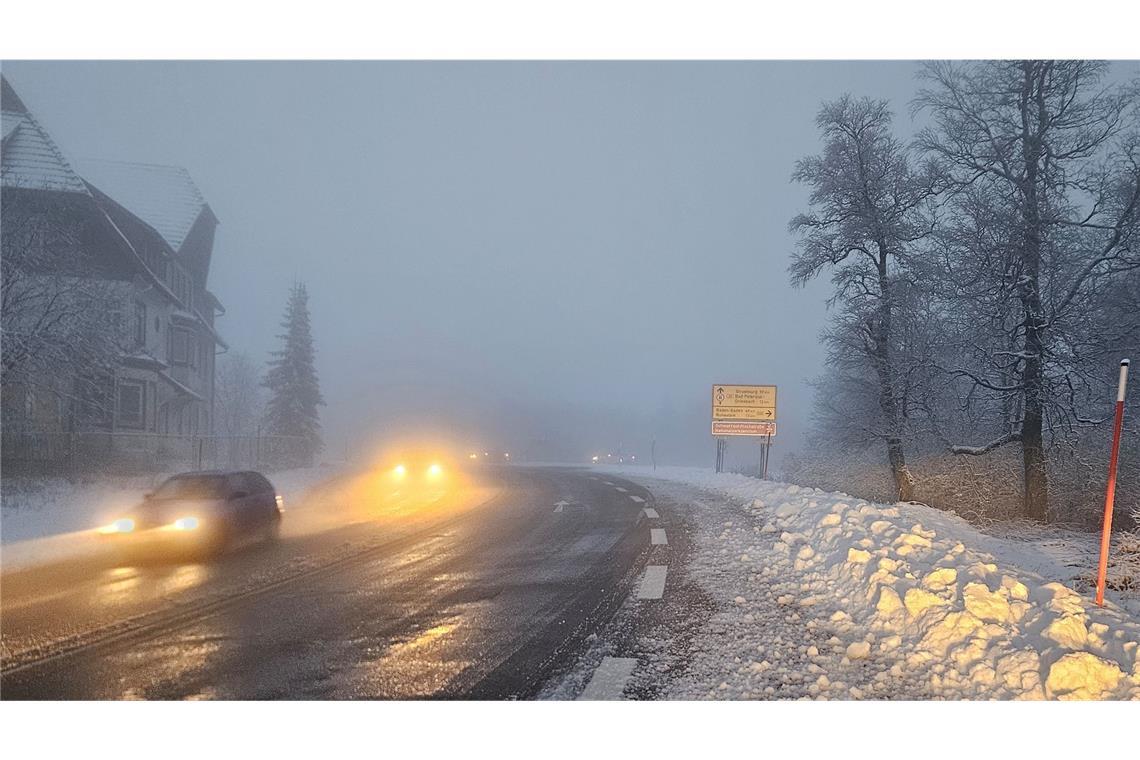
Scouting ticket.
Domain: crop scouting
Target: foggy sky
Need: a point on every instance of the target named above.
(511, 249)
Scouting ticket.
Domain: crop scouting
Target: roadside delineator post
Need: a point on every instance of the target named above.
(1110, 489)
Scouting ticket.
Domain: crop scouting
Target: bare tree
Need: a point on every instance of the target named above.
(867, 216)
(61, 316)
(238, 394)
(1041, 162)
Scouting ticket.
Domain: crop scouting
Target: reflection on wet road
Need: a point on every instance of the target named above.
(480, 589)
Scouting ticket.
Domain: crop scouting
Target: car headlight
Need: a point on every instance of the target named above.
(185, 523)
(399, 471)
(122, 525)
(434, 470)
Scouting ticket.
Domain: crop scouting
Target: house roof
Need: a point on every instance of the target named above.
(164, 197)
(30, 159)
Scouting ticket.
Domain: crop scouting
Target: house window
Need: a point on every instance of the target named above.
(132, 404)
(179, 346)
(140, 324)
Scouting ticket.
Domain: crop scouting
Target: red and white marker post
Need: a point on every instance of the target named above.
(1110, 489)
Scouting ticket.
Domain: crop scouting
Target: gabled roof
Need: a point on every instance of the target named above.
(163, 197)
(29, 158)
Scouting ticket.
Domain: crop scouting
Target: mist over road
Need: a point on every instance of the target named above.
(490, 589)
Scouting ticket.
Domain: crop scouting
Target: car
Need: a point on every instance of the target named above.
(200, 512)
(413, 468)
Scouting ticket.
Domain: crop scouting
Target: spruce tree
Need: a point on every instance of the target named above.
(292, 381)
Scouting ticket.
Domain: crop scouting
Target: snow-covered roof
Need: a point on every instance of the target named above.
(164, 197)
(30, 159)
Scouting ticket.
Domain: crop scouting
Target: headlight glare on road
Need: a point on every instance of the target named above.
(122, 525)
(186, 523)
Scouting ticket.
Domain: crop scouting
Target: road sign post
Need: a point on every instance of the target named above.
(744, 410)
(1110, 488)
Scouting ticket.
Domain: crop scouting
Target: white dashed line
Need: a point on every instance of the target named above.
(608, 483)
(657, 536)
(608, 681)
(620, 489)
(653, 582)
(651, 513)
(638, 499)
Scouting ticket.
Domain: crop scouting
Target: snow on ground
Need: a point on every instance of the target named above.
(829, 596)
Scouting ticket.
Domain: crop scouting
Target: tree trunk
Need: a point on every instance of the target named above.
(1036, 495)
(904, 481)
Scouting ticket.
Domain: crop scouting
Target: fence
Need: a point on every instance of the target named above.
(130, 453)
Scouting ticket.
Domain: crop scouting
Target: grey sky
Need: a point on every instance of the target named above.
(566, 237)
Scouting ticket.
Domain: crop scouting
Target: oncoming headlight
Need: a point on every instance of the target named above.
(122, 525)
(185, 523)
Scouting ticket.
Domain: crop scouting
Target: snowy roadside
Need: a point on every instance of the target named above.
(886, 601)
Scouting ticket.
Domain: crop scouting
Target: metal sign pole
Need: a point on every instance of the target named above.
(767, 453)
(1110, 488)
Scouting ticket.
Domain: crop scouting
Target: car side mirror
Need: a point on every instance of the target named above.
(238, 495)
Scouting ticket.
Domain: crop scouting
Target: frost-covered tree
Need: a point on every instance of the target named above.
(61, 317)
(1039, 221)
(238, 395)
(292, 381)
(867, 215)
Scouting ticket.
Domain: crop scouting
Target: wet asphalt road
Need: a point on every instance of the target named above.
(484, 602)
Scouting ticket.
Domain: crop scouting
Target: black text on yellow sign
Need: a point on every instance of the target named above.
(744, 402)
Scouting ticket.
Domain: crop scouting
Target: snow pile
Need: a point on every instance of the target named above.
(906, 600)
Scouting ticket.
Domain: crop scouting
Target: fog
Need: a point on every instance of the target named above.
(553, 258)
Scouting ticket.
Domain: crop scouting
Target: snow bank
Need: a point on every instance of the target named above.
(923, 595)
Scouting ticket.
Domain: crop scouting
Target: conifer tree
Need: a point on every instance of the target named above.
(292, 381)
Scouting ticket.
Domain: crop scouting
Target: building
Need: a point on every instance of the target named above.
(150, 234)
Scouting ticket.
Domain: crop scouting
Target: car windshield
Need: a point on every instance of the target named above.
(192, 487)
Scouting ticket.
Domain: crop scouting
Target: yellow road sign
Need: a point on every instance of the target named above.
(744, 402)
(743, 427)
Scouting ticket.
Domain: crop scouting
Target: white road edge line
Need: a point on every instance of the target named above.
(657, 536)
(620, 489)
(608, 483)
(653, 582)
(651, 513)
(608, 681)
(638, 499)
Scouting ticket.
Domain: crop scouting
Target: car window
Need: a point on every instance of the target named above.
(238, 482)
(192, 487)
(260, 482)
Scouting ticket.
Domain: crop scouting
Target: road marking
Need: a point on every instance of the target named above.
(558, 505)
(653, 582)
(638, 499)
(608, 681)
(620, 489)
(608, 483)
(657, 536)
(651, 513)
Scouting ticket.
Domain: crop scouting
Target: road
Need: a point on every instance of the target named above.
(482, 591)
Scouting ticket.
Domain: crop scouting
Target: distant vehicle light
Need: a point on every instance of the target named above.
(594, 459)
(434, 470)
(186, 523)
(280, 501)
(508, 456)
(472, 456)
(400, 471)
(123, 525)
